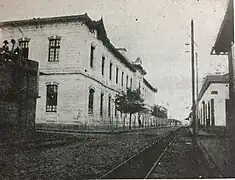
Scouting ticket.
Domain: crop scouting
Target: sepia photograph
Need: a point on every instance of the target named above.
(117, 89)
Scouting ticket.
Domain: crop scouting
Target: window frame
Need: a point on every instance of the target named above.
(92, 49)
(109, 106)
(101, 103)
(110, 70)
(91, 101)
(127, 78)
(102, 65)
(122, 79)
(24, 45)
(117, 74)
(54, 49)
(52, 107)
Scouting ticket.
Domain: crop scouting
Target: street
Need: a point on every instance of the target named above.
(82, 159)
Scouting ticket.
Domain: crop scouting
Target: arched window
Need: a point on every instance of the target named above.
(91, 101)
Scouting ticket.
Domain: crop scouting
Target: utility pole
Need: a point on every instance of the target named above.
(193, 83)
(197, 106)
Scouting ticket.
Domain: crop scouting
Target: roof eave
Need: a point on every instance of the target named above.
(226, 32)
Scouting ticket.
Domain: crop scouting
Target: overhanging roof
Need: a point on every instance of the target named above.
(212, 79)
(226, 33)
(150, 86)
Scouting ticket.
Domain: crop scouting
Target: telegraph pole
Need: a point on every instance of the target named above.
(193, 83)
(197, 110)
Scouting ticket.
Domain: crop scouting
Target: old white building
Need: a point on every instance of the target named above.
(213, 99)
(80, 70)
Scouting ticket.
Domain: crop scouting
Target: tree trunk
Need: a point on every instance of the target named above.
(130, 121)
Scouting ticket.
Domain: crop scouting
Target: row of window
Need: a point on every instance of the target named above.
(54, 48)
(103, 62)
(52, 94)
(91, 103)
(53, 56)
(207, 113)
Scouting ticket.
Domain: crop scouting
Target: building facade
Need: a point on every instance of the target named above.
(80, 70)
(213, 101)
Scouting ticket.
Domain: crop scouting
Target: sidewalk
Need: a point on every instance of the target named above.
(184, 162)
(215, 149)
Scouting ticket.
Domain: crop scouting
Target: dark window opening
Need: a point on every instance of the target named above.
(51, 101)
(102, 65)
(109, 106)
(117, 75)
(214, 92)
(131, 84)
(24, 45)
(92, 56)
(122, 78)
(110, 71)
(209, 114)
(54, 50)
(115, 111)
(91, 101)
(101, 103)
(127, 78)
(212, 112)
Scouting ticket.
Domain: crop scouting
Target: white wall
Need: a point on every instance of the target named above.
(219, 101)
(73, 72)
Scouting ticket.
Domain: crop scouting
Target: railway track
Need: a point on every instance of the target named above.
(142, 164)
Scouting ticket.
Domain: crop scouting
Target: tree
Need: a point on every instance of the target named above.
(159, 111)
(130, 102)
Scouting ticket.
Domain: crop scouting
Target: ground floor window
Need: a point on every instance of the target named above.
(109, 106)
(91, 101)
(51, 99)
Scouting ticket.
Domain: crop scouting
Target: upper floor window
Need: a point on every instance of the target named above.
(91, 101)
(92, 56)
(110, 71)
(24, 45)
(54, 49)
(214, 92)
(102, 65)
(122, 78)
(51, 101)
(117, 75)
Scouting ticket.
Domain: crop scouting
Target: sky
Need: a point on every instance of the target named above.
(154, 30)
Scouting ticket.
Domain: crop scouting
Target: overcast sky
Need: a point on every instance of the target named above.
(155, 30)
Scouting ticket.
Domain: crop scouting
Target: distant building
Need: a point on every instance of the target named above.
(80, 70)
(213, 100)
(18, 95)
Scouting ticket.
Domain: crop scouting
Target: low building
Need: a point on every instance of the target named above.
(224, 45)
(213, 101)
(18, 95)
(80, 70)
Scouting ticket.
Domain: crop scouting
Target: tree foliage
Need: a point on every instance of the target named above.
(130, 102)
(159, 111)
